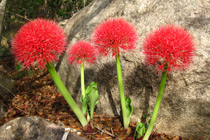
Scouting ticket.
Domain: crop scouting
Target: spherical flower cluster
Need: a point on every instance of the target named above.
(38, 42)
(82, 51)
(113, 35)
(169, 47)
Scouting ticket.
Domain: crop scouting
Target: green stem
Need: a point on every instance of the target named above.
(122, 96)
(157, 105)
(84, 107)
(67, 96)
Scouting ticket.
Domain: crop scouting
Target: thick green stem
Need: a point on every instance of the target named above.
(157, 105)
(67, 96)
(122, 96)
(84, 106)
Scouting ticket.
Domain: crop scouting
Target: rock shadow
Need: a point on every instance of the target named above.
(198, 21)
(142, 82)
(106, 78)
(89, 77)
(200, 127)
(175, 103)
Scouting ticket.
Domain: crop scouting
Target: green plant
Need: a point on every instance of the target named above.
(140, 130)
(4, 52)
(39, 43)
(116, 35)
(92, 97)
(82, 52)
(168, 48)
(66, 94)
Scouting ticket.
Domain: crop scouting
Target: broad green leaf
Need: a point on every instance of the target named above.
(129, 108)
(92, 97)
(140, 130)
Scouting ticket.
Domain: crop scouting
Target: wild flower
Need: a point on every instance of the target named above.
(169, 47)
(38, 42)
(82, 51)
(114, 35)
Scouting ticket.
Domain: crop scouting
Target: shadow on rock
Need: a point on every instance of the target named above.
(89, 77)
(106, 78)
(141, 83)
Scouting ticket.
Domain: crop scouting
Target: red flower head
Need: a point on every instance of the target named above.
(169, 47)
(113, 35)
(38, 42)
(82, 51)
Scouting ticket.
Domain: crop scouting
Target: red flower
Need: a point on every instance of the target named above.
(113, 35)
(82, 51)
(169, 47)
(38, 42)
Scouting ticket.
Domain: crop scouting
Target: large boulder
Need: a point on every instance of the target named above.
(34, 128)
(185, 105)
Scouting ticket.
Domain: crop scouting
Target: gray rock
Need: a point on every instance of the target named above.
(6, 84)
(6, 90)
(184, 110)
(33, 128)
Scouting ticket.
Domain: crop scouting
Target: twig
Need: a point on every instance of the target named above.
(106, 132)
(19, 15)
(17, 109)
(7, 90)
(21, 110)
(112, 131)
(89, 133)
(103, 116)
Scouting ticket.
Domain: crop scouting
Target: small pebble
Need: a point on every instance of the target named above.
(74, 130)
(8, 127)
(67, 129)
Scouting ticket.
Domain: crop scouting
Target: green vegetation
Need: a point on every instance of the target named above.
(19, 12)
(52, 9)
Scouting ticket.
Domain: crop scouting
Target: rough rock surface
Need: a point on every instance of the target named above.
(6, 89)
(33, 128)
(185, 105)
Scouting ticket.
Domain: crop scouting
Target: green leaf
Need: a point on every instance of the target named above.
(88, 117)
(140, 130)
(129, 108)
(18, 66)
(83, 101)
(92, 97)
